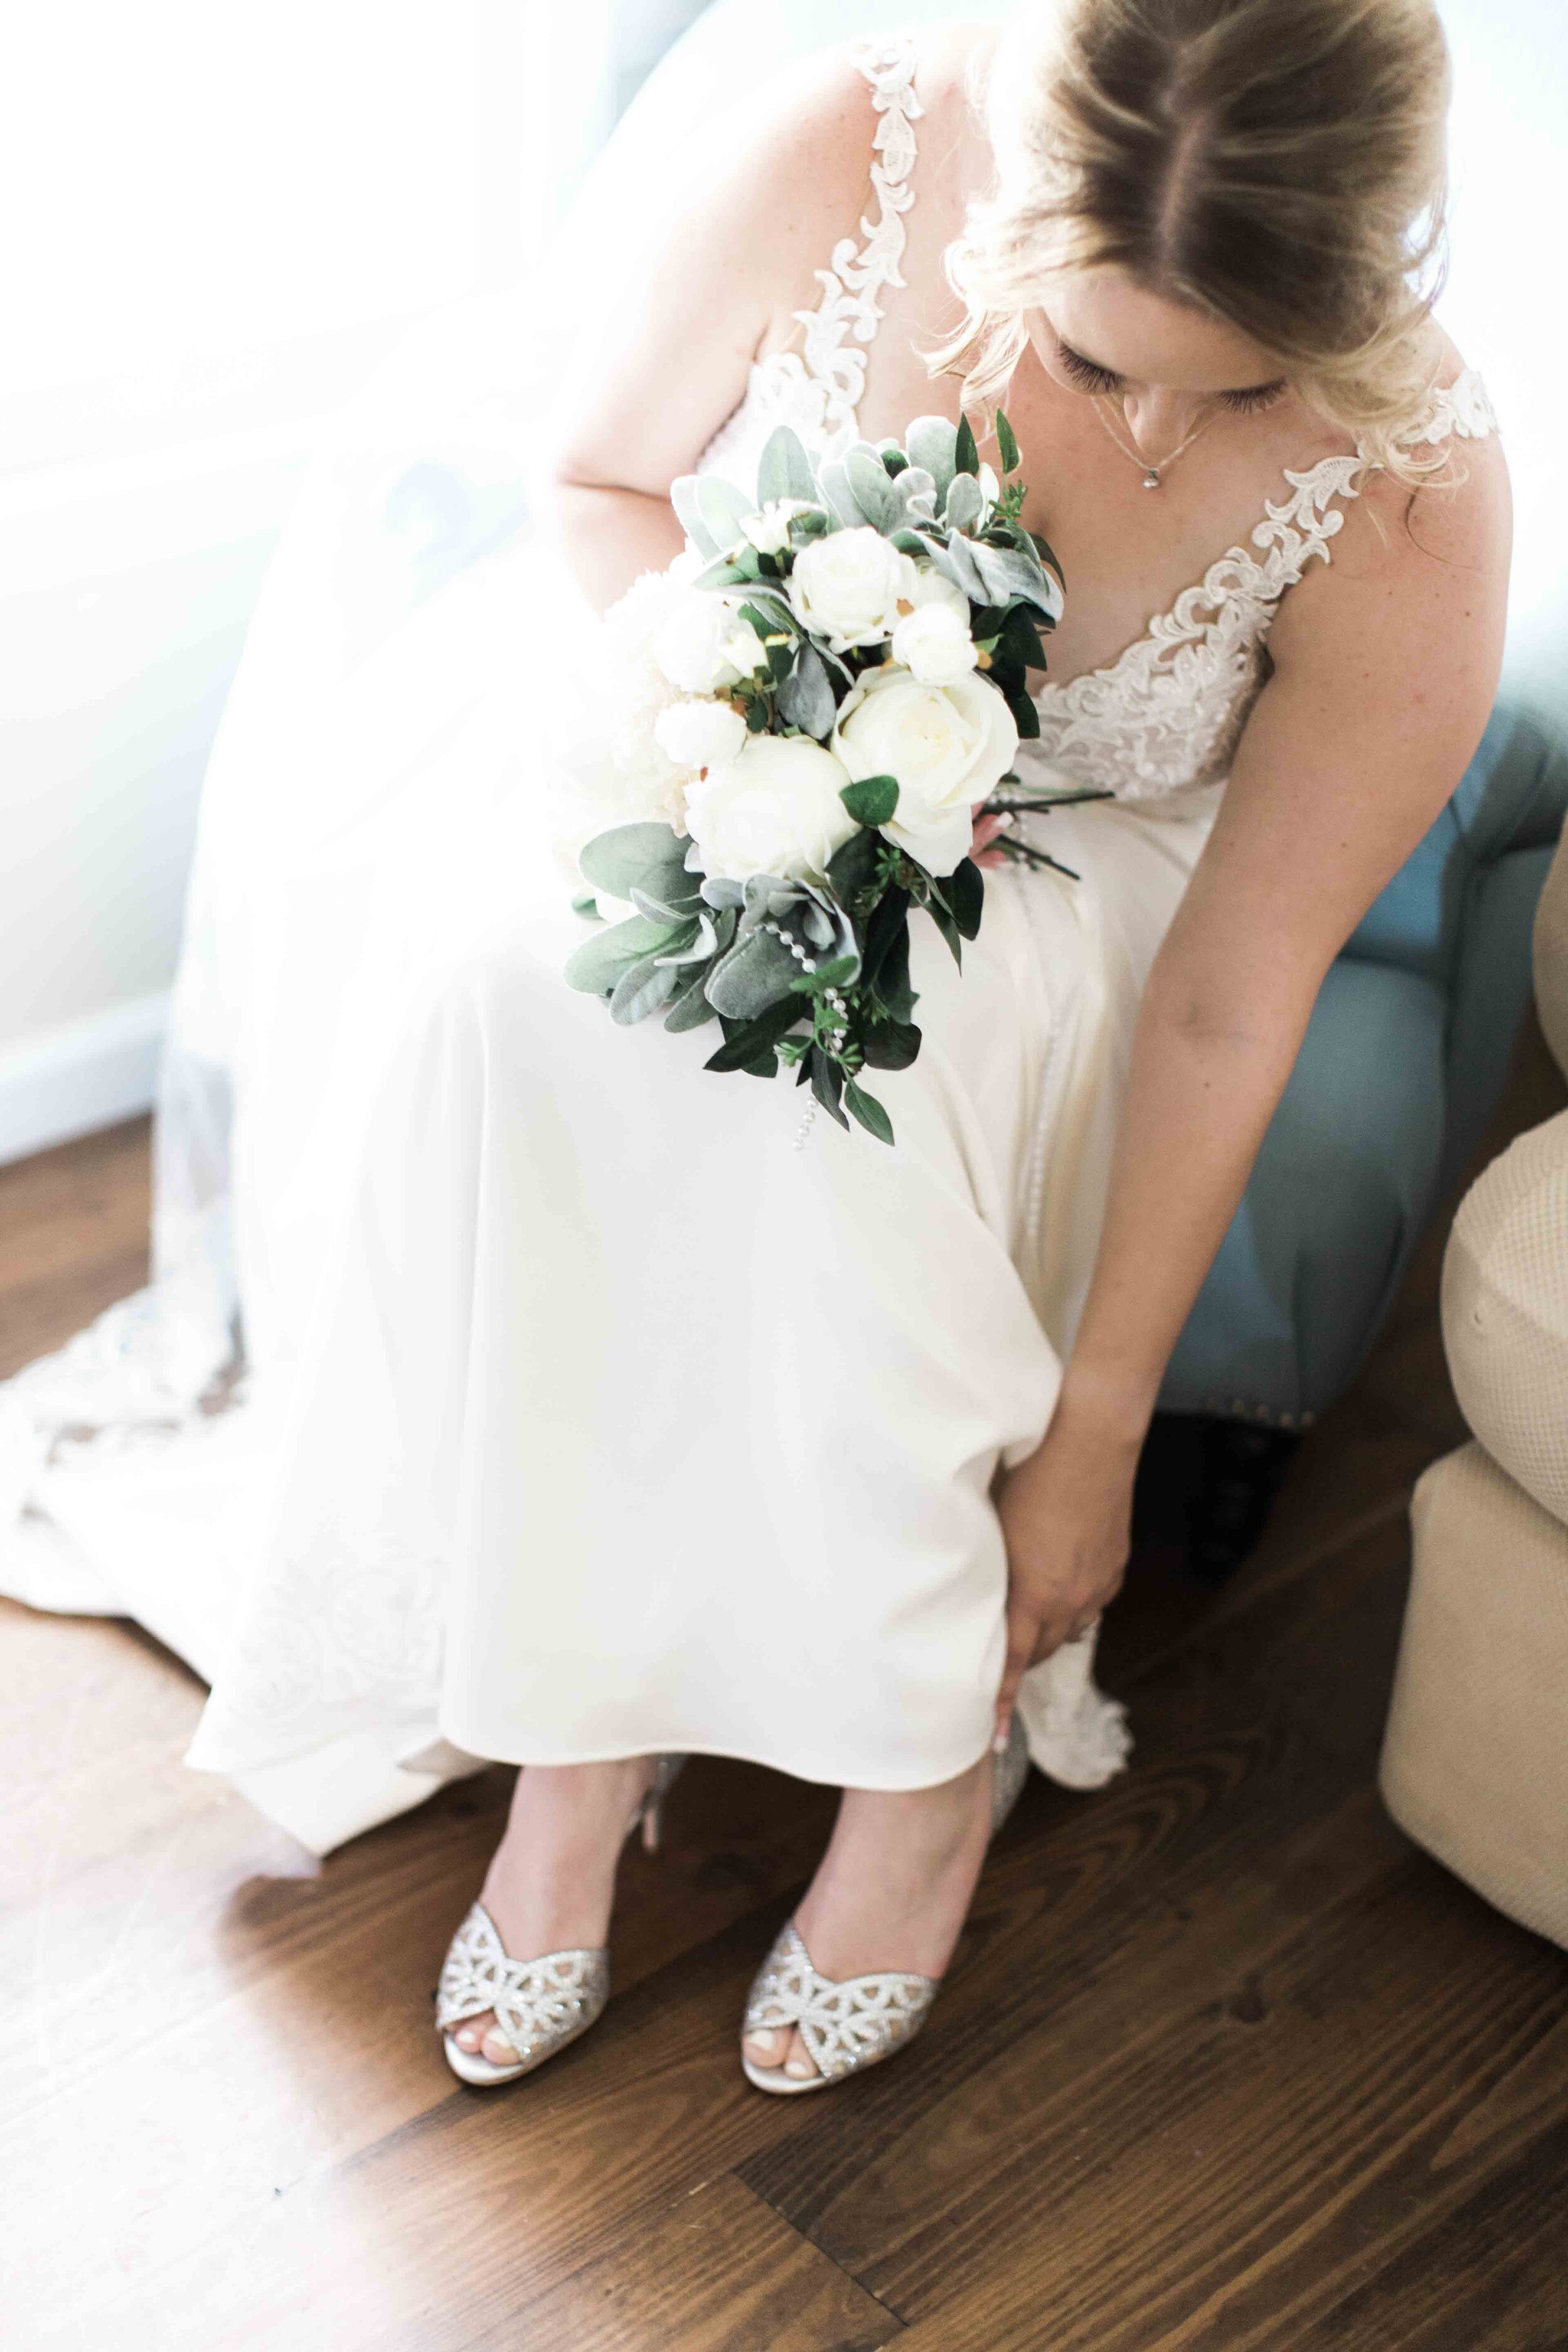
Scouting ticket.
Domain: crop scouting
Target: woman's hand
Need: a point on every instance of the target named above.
(1067, 1516)
(986, 829)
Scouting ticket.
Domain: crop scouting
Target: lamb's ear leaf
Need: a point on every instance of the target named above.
(966, 455)
(690, 1008)
(806, 695)
(598, 964)
(723, 508)
(874, 493)
(689, 514)
(868, 1111)
(642, 990)
(649, 856)
(1007, 445)
(931, 442)
(784, 470)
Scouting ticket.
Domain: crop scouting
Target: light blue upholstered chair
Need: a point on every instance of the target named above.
(1399, 1072)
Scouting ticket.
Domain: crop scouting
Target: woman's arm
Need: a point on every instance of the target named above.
(1386, 669)
(699, 285)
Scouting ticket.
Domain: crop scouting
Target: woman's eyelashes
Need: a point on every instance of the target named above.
(1248, 402)
(1085, 373)
(1089, 376)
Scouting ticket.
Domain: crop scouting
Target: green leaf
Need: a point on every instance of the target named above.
(853, 867)
(690, 1008)
(683, 499)
(744, 1044)
(872, 800)
(585, 904)
(966, 897)
(966, 455)
(641, 990)
(931, 442)
(598, 964)
(868, 1111)
(836, 973)
(723, 510)
(874, 494)
(890, 1045)
(828, 1084)
(784, 470)
(647, 858)
(1006, 447)
(806, 695)
(949, 929)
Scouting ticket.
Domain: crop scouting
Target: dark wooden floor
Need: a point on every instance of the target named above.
(1228, 2066)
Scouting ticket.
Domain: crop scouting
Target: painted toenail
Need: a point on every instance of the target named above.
(799, 2068)
(467, 2039)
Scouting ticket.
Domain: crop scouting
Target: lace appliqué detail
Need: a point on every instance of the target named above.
(842, 2025)
(539, 2005)
(1166, 716)
(817, 391)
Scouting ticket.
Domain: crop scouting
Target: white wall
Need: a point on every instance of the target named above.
(220, 220)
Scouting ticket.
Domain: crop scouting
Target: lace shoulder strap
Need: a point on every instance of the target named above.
(853, 283)
(1460, 407)
(1297, 528)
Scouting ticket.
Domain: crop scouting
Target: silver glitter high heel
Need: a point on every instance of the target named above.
(539, 2005)
(851, 2024)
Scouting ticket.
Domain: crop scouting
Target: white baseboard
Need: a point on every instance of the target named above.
(83, 1075)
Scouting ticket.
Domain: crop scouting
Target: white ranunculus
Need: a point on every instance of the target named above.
(847, 587)
(773, 809)
(701, 644)
(934, 645)
(699, 734)
(946, 745)
(768, 529)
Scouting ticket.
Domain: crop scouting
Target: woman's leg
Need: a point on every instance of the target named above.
(892, 1891)
(552, 1880)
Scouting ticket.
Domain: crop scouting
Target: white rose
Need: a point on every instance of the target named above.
(773, 809)
(768, 529)
(847, 587)
(947, 746)
(701, 644)
(934, 646)
(699, 734)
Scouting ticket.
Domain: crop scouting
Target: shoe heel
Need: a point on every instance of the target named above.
(649, 1817)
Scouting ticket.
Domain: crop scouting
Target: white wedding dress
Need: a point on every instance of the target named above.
(586, 1415)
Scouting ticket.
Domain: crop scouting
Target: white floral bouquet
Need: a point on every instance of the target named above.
(802, 717)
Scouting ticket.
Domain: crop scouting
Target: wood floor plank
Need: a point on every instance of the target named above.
(1174, 2228)
(720, 2271)
(73, 1238)
(1224, 2065)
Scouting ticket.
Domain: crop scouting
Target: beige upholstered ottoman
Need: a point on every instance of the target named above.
(1475, 1758)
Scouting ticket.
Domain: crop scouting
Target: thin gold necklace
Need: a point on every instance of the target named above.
(1153, 475)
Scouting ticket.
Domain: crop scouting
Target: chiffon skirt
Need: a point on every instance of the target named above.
(628, 1413)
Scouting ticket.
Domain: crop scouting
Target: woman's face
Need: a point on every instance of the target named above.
(1095, 331)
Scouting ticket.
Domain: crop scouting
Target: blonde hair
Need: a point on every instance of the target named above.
(1277, 163)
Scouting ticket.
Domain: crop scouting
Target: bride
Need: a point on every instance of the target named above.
(603, 1427)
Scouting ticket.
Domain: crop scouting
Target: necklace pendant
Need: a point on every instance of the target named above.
(1152, 478)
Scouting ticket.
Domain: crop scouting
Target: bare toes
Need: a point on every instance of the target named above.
(799, 2066)
(765, 2047)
